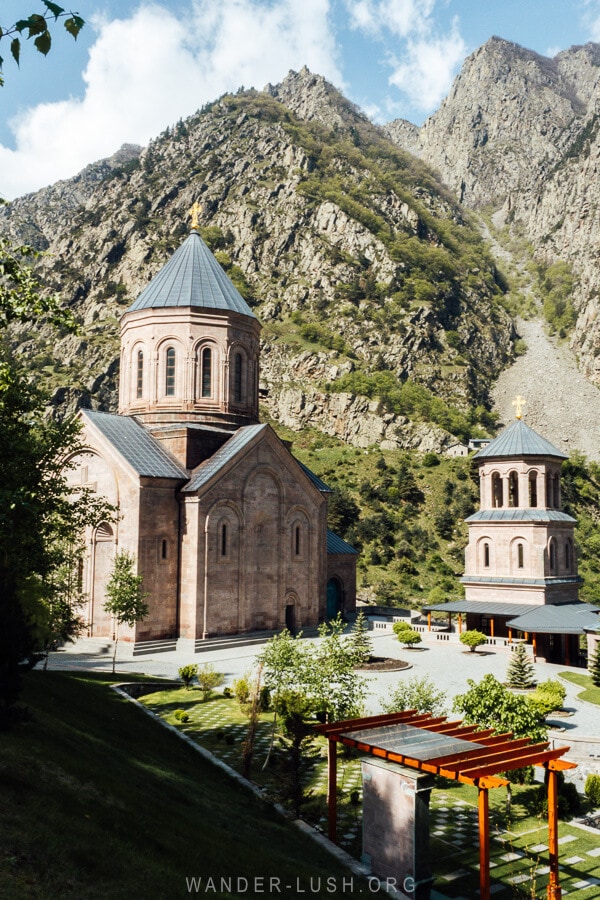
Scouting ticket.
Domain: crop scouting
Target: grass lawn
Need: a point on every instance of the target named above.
(519, 839)
(97, 800)
(590, 692)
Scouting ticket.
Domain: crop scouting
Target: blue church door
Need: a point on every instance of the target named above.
(334, 598)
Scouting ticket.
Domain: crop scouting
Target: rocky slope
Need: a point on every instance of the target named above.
(381, 305)
(518, 135)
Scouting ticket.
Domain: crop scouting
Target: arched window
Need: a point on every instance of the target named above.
(139, 392)
(206, 386)
(569, 557)
(552, 556)
(497, 498)
(513, 489)
(556, 491)
(163, 549)
(520, 556)
(297, 544)
(549, 503)
(224, 537)
(486, 555)
(170, 372)
(237, 377)
(533, 489)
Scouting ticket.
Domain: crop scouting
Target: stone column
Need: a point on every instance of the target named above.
(396, 826)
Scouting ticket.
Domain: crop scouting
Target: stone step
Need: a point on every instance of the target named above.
(147, 648)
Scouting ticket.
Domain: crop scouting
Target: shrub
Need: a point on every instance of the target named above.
(592, 789)
(417, 693)
(227, 693)
(208, 680)
(187, 674)
(473, 639)
(181, 716)
(549, 695)
(407, 636)
(241, 690)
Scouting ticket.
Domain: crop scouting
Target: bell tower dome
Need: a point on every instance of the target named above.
(190, 345)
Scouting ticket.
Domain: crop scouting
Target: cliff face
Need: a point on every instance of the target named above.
(380, 304)
(518, 134)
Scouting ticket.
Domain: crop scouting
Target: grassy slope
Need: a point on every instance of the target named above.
(100, 801)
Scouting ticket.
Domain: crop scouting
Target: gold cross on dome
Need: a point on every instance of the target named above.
(519, 402)
(194, 211)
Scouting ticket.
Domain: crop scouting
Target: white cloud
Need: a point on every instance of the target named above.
(591, 19)
(428, 68)
(427, 54)
(147, 71)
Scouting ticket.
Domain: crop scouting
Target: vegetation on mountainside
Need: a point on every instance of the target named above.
(404, 511)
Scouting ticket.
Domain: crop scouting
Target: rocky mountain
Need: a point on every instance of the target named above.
(517, 137)
(382, 308)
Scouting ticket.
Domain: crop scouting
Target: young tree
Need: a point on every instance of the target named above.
(417, 693)
(360, 642)
(594, 666)
(208, 680)
(520, 673)
(489, 704)
(125, 600)
(294, 710)
(473, 639)
(187, 674)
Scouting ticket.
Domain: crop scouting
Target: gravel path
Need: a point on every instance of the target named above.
(562, 405)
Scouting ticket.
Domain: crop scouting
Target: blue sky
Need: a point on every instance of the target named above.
(138, 67)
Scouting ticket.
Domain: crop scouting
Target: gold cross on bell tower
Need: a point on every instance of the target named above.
(194, 211)
(519, 402)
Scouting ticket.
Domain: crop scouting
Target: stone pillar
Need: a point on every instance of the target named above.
(396, 826)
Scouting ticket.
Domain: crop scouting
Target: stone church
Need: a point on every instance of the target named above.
(228, 529)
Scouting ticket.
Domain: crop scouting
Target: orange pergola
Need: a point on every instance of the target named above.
(452, 750)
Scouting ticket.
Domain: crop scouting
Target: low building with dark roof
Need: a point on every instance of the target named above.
(228, 529)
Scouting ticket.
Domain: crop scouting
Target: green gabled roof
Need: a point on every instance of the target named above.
(192, 278)
(336, 544)
(144, 454)
(519, 440)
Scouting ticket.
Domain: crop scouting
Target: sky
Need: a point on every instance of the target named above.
(138, 66)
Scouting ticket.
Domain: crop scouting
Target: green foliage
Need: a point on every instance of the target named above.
(37, 27)
(187, 674)
(594, 666)
(520, 673)
(408, 637)
(343, 511)
(181, 715)
(20, 298)
(592, 789)
(417, 693)
(125, 600)
(361, 645)
(548, 696)
(556, 284)
(473, 639)
(489, 704)
(208, 680)
(241, 690)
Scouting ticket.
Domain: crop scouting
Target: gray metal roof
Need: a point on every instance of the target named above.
(566, 618)
(519, 440)
(136, 446)
(227, 452)
(192, 277)
(526, 582)
(336, 544)
(520, 514)
(481, 607)
(320, 485)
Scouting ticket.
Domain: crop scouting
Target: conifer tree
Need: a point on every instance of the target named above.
(520, 673)
(594, 666)
(360, 641)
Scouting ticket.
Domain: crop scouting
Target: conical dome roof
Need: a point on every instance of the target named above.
(192, 277)
(519, 440)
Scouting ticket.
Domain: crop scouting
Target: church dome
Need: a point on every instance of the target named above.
(192, 278)
(517, 441)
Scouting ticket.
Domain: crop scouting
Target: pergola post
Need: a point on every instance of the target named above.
(428, 621)
(332, 790)
(554, 889)
(460, 623)
(484, 843)
(492, 628)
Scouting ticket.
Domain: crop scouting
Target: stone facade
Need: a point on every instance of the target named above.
(229, 531)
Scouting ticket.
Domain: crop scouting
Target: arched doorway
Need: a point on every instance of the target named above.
(335, 597)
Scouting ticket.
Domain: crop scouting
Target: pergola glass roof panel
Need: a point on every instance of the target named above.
(413, 742)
